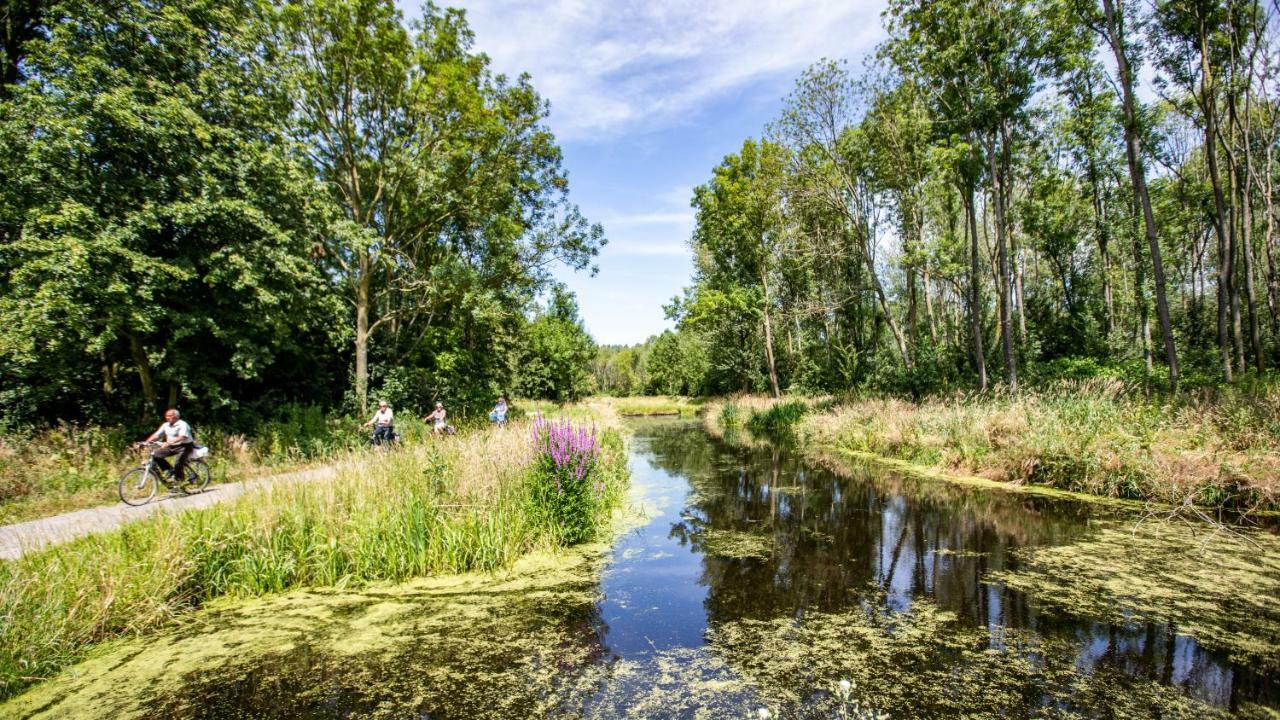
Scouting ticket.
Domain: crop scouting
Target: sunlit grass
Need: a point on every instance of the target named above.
(654, 405)
(451, 504)
(69, 467)
(1097, 437)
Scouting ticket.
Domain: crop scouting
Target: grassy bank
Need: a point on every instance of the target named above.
(451, 505)
(45, 472)
(55, 470)
(654, 405)
(1212, 448)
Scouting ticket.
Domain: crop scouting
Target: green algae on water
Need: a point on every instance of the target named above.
(736, 544)
(1222, 588)
(453, 644)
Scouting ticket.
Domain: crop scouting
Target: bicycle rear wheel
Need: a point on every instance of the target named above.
(197, 472)
(138, 487)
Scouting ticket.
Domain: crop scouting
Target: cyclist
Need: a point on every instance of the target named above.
(437, 419)
(499, 412)
(383, 423)
(178, 441)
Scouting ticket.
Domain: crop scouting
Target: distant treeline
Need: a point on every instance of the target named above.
(228, 205)
(996, 198)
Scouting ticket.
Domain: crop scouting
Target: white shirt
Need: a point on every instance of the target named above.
(383, 416)
(173, 431)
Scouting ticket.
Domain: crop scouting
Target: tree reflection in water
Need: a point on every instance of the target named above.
(847, 540)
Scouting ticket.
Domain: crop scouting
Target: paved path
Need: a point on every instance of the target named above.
(35, 534)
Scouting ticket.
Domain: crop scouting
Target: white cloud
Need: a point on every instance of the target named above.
(610, 68)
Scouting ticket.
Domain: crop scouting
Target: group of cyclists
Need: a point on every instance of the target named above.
(383, 421)
(179, 441)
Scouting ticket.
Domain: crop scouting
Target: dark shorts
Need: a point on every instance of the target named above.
(181, 451)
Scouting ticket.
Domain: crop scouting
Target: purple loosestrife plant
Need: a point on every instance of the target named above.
(564, 496)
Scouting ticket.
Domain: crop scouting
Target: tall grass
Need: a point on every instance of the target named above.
(778, 418)
(1101, 437)
(655, 405)
(49, 471)
(455, 504)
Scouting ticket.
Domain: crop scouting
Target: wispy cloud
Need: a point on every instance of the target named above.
(615, 67)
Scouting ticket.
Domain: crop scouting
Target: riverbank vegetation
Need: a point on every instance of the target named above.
(1213, 447)
(46, 472)
(468, 502)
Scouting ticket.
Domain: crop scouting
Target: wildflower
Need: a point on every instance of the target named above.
(845, 687)
(763, 714)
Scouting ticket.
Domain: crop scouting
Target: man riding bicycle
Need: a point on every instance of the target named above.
(384, 424)
(178, 441)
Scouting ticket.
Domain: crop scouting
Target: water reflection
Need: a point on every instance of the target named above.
(837, 541)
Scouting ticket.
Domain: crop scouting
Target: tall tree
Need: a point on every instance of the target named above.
(739, 228)
(1113, 24)
(161, 225)
(436, 165)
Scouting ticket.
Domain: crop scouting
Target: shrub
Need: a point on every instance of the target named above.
(729, 416)
(565, 494)
(778, 418)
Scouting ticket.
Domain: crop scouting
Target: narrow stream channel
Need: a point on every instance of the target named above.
(759, 581)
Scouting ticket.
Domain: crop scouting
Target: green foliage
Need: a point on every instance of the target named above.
(677, 364)
(556, 353)
(729, 416)
(159, 231)
(571, 490)
(777, 419)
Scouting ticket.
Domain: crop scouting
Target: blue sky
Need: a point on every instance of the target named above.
(647, 97)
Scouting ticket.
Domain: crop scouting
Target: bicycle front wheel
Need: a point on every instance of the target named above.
(197, 472)
(138, 486)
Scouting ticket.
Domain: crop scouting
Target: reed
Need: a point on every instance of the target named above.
(455, 504)
(1101, 437)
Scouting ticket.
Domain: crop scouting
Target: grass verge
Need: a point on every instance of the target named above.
(456, 504)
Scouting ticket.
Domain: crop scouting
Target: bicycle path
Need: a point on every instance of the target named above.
(31, 535)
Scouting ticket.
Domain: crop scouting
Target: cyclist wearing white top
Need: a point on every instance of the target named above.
(178, 440)
(437, 419)
(383, 423)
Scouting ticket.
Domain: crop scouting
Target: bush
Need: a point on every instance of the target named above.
(565, 494)
(778, 418)
(729, 416)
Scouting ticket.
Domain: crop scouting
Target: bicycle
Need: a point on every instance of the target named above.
(139, 485)
(380, 440)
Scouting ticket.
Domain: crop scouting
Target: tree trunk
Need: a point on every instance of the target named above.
(1225, 255)
(1004, 277)
(975, 307)
(1102, 233)
(1251, 298)
(1268, 243)
(1137, 174)
(768, 338)
(928, 309)
(145, 376)
(362, 335)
